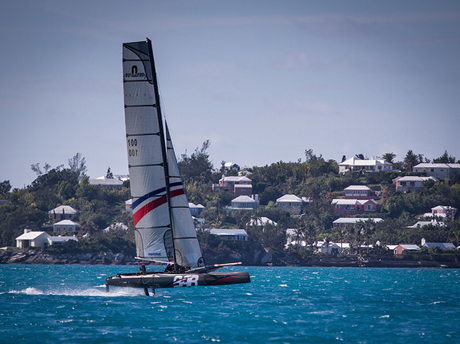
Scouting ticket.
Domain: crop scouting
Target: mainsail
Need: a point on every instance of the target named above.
(164, 227)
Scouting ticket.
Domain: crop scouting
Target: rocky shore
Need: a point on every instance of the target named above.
(253, 257)
(43, 257)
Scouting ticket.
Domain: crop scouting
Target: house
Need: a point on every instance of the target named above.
(358, 192)
(32, 239)
(442, 212)
(66, 226)
(129, 206)
(291, 203)
(410, 183)
(405, 247)
(359, 165)
(239, 185)
(350, 207)
(60, 239)
(441, 245)
(437, 170)
(243, 203)
(40, 239)
(328, 247)
(420, 224)
(350, 221)
(63, 212)
(229, 234)
(108, 183)
(261, 221)
(195, 210)
(292, 238)
(231, 166)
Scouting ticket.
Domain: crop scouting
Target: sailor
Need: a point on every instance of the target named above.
(170, 267)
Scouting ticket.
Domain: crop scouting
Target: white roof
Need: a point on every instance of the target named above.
(30, 235)
(235, 179)
(59, 239)
(237, 186)
(66, 223)
(289, 198)
(437, 165)
(260, 221)
(357, 187)
(359, 162)
(222, 231)
(243, 199)
(414, 179)
(344, 201)
(195, 206)
(353, 220)
(106, 181)
(409, 247)
(291, 231)
(420, 224)
(63, 209)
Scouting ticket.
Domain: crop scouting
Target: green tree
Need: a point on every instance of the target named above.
(445, 158)
(197, 167)
(389, 157)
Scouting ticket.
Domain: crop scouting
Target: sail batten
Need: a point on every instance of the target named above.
(164, 229)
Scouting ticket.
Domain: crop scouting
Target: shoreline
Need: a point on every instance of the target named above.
(30, 257)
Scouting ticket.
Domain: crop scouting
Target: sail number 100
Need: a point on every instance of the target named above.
(131, 144)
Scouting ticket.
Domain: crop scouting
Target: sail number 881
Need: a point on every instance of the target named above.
(132, 143)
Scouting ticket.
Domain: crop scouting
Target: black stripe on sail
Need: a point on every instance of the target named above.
(137, 106)
(149, 165)
(146, 134)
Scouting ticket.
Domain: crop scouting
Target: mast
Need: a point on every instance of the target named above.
(163, 143)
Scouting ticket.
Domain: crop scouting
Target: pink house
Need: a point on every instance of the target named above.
(349, 207)
(405, 247)
(235, 184)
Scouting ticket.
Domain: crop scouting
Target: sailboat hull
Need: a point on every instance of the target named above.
(170, 280)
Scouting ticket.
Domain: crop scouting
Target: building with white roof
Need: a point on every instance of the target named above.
(63, 212)
(239, 185)
(229, 234)
(291, 203)
(108, 183)
(355, 164)
(405, 247)
(66, 226)
(437, 170)
(40, 239)
(350, 207)
(195, 209)
(411, 183)
(358, 192)
(243, 203)
(350, 221)
(32, 239)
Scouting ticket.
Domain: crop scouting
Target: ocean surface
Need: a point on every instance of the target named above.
(68, 303)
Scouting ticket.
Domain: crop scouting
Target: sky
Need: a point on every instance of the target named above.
(262, 80)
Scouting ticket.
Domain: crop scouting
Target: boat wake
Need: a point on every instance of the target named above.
(96, 291)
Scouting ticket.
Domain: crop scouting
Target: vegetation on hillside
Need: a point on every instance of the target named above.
(316, 178)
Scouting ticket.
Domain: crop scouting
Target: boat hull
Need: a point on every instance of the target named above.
(170, 280)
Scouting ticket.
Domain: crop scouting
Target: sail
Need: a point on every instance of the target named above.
(146, 154)
(187, 248)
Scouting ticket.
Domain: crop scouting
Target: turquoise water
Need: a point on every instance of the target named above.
(55, 303)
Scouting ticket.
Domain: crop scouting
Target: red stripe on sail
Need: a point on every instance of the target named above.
(138, 215)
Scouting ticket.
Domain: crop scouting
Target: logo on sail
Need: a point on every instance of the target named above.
(134, 73)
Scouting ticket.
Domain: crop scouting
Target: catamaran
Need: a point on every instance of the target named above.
(164, 228)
